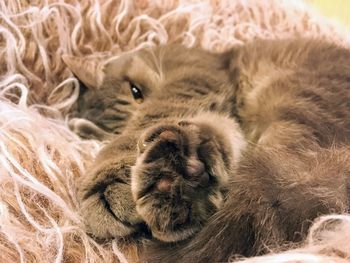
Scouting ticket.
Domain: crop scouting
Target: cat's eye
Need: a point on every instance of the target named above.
(136, 92)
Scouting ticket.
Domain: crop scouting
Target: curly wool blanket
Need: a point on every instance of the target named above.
(41, 160)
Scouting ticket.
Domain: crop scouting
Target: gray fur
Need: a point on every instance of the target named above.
(291, 99)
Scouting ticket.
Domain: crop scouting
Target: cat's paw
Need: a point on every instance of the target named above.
(106, 202)
(179, 178)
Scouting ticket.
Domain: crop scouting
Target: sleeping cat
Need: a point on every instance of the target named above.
(215, 154)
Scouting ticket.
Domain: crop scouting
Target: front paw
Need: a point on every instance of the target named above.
(179, 179)
(106, 201)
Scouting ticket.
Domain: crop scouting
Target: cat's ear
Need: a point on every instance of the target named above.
(87, 70)
(229, 57)
(229, 61)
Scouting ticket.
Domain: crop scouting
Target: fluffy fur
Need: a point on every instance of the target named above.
(40, 157)
(291, 98)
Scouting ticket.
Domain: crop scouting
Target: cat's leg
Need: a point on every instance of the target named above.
(279, 187)
(104, 192)
(181, 173)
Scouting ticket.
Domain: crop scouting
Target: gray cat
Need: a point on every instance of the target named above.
(215, 154)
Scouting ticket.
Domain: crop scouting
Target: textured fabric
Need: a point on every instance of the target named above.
(41, 160)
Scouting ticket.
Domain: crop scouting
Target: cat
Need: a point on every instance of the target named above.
(216, 154)
(126, 81)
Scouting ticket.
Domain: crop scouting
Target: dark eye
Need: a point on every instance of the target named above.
(136, 92)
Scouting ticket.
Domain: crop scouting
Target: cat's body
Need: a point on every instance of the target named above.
(195, 179)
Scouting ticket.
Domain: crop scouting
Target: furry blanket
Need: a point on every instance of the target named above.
(41, 160)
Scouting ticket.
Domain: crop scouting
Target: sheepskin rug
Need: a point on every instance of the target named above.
(41, 160)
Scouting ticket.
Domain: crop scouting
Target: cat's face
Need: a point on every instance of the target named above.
(170, 107)
(116, 88)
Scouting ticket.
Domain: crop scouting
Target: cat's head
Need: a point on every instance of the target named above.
(129, 95)
(116, 88)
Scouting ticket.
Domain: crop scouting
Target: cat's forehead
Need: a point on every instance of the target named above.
(152, 56)
(147, 66)
(150, 65)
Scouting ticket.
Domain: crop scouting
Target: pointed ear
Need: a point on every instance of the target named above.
(87, 70)
(229, 60)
